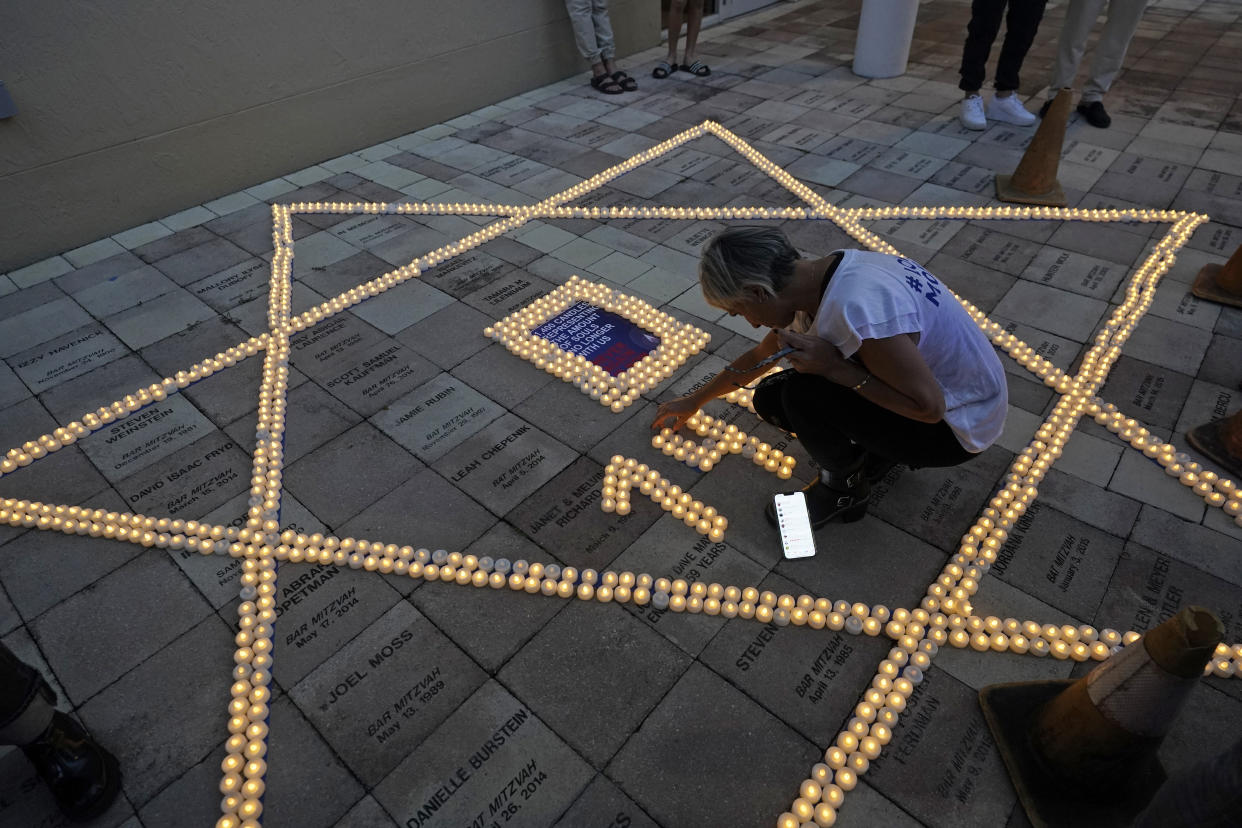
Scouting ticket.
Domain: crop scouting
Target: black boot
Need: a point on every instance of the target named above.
(876, 467)
(842, 498)
(83, 777)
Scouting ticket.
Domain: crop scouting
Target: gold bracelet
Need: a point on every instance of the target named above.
(861, 384)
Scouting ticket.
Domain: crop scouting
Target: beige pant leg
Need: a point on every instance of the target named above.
(1080, 17)
(1119, 27)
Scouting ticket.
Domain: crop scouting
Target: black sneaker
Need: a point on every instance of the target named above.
(82, 776)
(825, 505)
(1095, 114)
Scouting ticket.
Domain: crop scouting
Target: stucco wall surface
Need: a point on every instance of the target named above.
(130, 110)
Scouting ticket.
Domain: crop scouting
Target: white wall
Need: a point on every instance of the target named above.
(130, 110)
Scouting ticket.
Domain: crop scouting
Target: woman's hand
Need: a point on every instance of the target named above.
(818, 356)
(678, 411)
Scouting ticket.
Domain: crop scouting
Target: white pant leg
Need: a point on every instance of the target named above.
(581, 18)
(1119, 27)
(603, 29)
(1080, 17)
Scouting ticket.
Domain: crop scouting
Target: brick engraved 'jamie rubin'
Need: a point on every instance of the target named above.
(436, 417)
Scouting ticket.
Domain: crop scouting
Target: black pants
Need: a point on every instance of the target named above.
(1020, 26)
(838, 426)
(25, 710)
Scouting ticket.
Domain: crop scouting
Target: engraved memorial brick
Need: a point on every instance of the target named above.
(234, 285)
(798, 673)
(1151, 586)
(934, 503)
(379, 374)
(319, 607)
(669, 549)
(492, 763)
(66, 357)
(134, 442)
(986, 244)
(436, 417)
(506, 294)
(505, 463)
(366, 231)
(1060, 560)
(594, 689)
(384, 692)
(1147, 392)
(1075, 272)
(190, 482)
(564, 518)
(943, 742)
(467, 273)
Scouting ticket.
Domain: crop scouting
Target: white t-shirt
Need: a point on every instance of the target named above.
(875, 295)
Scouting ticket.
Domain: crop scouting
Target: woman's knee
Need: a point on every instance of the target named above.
(768, 400)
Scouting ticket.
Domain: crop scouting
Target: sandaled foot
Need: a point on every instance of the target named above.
(663, 69)
(698, 68)
(627, 83)
(604, 83)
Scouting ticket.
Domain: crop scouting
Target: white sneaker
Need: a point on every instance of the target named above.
(972, 113)
(1009, 110)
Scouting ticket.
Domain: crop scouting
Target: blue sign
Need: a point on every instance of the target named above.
(612, 342)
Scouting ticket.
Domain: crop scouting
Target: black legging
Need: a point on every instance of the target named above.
(838, 426)
(1020, 26)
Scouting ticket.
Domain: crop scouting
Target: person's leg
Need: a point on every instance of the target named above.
(594, 44)
(849, 437)
(603, 34)
(25, 709)
(1119, 28)
(676, 12)
(985, 20)
(82, 776)
(1021, 24)
(1080, 16)
(840, 492)
(584, 32)
(694, 22)
(824, 414)
(782, 401)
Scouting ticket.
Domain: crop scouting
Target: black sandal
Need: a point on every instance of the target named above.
(604, 83)
(627, 83)
(698, 68)
(663, 69)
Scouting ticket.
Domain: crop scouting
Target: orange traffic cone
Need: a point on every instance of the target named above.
(1035, 179)
(1220, 440)
(1221, 283)
(1083, 753)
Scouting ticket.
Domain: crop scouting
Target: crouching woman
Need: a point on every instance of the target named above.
(888, 367)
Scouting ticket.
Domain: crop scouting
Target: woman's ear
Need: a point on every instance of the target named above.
(755, 294)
